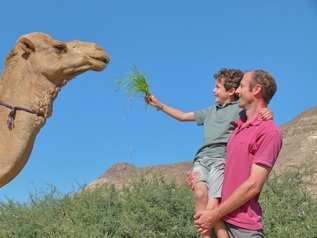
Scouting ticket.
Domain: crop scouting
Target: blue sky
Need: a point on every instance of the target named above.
(179, 45)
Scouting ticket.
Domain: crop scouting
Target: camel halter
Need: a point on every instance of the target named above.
(11, 116)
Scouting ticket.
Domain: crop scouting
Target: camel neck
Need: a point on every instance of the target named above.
(11, 115)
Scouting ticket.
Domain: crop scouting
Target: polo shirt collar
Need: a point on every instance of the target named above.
(226, 105)
(254, 122)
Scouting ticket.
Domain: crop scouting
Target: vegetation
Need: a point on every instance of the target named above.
(151, 207)
(134, 83)
(289, 208)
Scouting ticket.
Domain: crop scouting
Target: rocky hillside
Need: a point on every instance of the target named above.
(300, 140)
(300, 146)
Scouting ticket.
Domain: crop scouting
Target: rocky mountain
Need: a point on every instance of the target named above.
(299, 146)
(300, 140)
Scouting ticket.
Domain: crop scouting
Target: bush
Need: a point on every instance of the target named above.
(145, 208)
(288, 207)
(158, 209)
(151, 207)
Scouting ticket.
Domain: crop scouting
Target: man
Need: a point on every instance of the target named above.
(219, 123)
(251, 153)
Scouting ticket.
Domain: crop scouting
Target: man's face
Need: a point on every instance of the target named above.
(221, 95)
(243, 91)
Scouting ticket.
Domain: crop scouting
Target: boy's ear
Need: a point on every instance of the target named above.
(232, 91)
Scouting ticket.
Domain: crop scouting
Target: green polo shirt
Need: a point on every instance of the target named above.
(219, 123)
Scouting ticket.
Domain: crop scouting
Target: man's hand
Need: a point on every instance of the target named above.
(192, 178)
(205, 220)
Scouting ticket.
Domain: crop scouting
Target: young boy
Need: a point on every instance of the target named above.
(219, 123)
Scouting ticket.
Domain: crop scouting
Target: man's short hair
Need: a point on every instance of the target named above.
(267, 82)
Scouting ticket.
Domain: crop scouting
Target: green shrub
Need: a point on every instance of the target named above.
(288, 207)
(151, 207)
(145, 208)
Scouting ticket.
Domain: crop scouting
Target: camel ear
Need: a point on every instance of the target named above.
(26, 45)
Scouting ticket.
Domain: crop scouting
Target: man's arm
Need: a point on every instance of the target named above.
(205, 220)
(173, 112)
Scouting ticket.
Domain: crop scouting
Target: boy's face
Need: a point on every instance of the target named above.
(221, 95)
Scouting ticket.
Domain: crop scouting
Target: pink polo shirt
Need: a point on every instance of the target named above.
(258, 142)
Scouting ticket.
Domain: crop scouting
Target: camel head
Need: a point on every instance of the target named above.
(34, 72)
(40, 66)
(61, 61)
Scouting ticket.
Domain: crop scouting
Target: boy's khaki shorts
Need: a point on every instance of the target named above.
(211, 171)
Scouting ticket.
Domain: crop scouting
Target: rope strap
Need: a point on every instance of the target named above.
(11, 116)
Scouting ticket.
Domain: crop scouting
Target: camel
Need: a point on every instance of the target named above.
(34, 73)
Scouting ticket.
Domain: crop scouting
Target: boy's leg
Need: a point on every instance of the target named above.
(201, 189)
(220, 228)
(201, 196)
(201, 200)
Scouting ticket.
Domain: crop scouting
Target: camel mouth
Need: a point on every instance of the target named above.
(102, 59)
(100, 62)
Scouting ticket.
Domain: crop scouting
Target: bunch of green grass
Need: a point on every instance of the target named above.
(135, 83)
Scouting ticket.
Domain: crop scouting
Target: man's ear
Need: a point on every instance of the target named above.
(257, 89)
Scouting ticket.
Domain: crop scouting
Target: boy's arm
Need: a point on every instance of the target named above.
(265, 114)
(173, 112)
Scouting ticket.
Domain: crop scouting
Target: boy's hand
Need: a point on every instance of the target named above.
(265, 114)
(152, 100)
(192, 178)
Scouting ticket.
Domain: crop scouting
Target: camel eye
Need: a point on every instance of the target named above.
(60, 48)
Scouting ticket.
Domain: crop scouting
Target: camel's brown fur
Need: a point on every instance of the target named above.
(34, 73)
